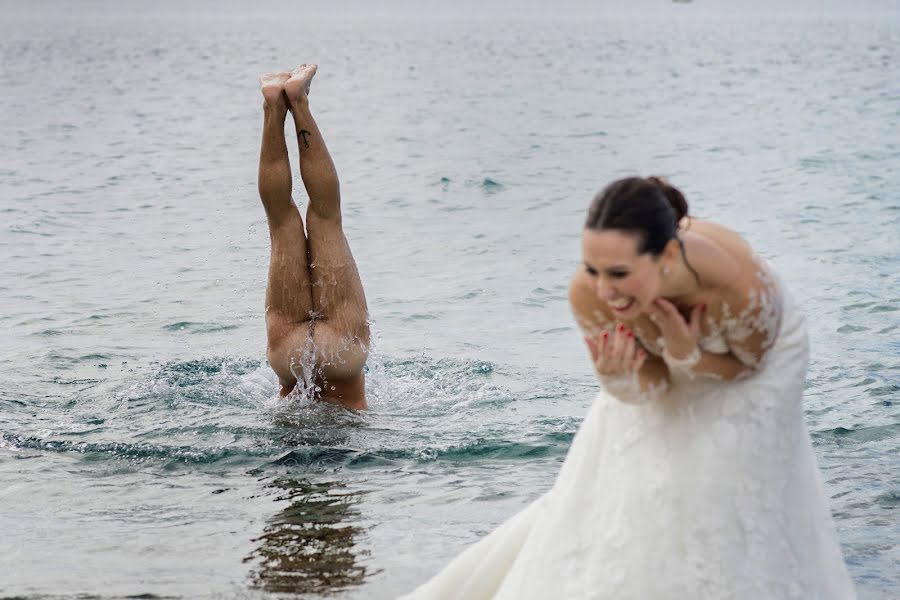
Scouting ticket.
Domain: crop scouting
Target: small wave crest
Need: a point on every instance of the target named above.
(169, 456)
(861, 435)
(322, 459)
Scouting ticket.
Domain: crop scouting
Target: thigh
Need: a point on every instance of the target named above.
(337, 290)
(339, 354)
(290, 349)
(288, 289)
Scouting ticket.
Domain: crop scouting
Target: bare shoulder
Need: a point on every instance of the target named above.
(581, 293)
(749, 306)
(591, 314)
(723, 259)
(752, 283)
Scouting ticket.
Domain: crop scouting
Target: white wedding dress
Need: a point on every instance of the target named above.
(712, 493)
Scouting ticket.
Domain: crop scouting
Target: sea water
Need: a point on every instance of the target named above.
(143, 448)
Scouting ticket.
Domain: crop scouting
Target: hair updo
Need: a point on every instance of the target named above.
(648, 207)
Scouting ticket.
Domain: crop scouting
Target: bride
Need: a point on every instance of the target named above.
(692, 475)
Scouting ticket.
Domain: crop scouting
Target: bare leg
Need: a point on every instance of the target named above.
(341, 330)
(289, 305)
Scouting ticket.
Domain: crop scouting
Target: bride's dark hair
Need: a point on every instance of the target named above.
(649, 207)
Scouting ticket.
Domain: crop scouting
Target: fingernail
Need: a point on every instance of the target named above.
(630, 334)
(620, 327)
(605, 334)
(641, 353)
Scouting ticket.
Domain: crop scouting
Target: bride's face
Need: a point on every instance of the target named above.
(626, 281)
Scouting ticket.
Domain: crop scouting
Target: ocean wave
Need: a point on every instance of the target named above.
(308, 458)
(860, 435)
(478, 450)
(136, 452)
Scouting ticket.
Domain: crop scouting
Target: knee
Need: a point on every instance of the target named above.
(323, 215)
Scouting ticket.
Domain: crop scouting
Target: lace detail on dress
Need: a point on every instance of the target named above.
(714, 342)
(596, 325)
(751, 322)
(684, 365)
(747, 325)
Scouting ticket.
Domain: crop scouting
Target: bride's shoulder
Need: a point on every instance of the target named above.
(591, 314)
(724, 260)
(747, 299)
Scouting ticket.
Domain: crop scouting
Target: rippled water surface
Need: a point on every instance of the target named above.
(143, 449)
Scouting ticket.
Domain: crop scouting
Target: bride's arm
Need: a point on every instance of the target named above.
(708, 364)
(750, 315)
(625, 369)
(650, 380)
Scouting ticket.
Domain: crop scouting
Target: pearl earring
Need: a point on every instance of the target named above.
(666, 271)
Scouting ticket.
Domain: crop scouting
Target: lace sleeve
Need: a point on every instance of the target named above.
(591, 320)
(593, 323)
(751, 317)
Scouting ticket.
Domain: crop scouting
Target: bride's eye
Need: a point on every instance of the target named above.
(591, 270)
(616, 274)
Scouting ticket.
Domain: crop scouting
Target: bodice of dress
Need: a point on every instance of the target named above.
(714, 342)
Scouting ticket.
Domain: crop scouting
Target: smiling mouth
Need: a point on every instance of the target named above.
(622, 307)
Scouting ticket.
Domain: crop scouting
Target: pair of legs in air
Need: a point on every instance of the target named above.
(316, 315)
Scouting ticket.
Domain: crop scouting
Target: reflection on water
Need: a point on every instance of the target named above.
(308, 548)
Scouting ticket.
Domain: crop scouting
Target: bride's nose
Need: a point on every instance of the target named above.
(606, 290)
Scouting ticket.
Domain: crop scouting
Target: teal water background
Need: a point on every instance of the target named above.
(143, 449)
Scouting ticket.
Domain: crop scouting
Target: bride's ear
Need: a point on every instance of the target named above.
(671, 253)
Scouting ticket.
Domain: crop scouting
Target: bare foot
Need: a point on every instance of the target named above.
(272, 85)
(297, 87)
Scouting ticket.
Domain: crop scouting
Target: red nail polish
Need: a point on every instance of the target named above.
(605, 334)
(630, 334)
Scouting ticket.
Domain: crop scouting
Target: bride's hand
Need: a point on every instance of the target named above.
(616, 354)
(681, 336)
